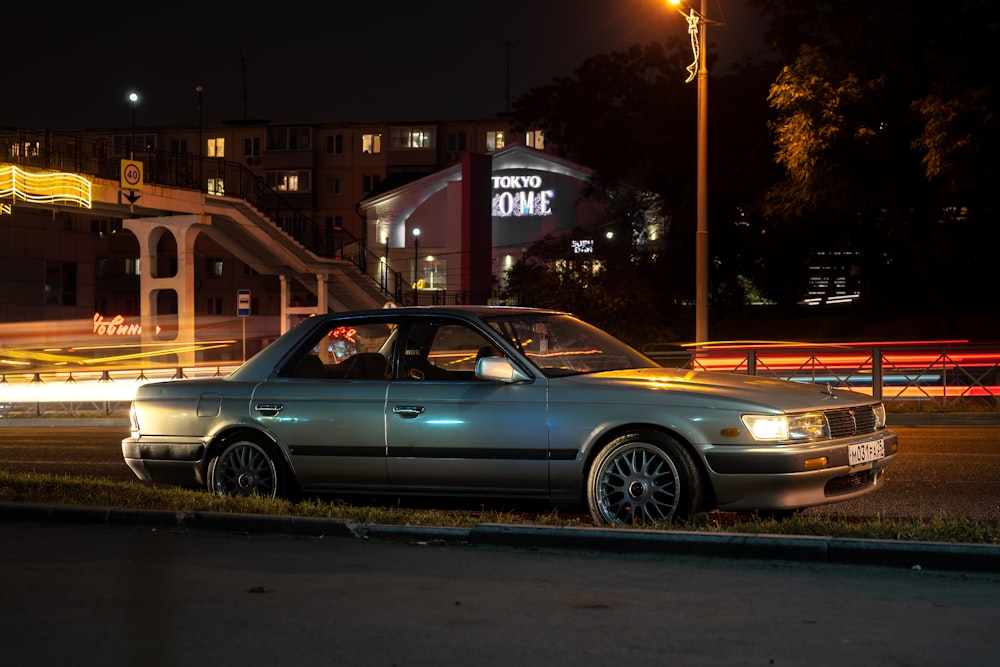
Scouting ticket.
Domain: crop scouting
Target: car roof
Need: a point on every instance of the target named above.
(476, 310)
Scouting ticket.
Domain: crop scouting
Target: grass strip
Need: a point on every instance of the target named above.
(30, 487)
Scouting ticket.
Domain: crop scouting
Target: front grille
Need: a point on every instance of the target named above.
(839, 485)
(850, 421)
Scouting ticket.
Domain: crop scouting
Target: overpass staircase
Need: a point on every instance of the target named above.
(252, 221)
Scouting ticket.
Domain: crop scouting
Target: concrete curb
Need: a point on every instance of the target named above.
(737, 546)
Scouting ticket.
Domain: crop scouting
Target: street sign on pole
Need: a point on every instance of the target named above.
(243, 312)
(243, 303)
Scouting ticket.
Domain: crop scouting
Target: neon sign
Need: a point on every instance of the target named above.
(515, 196)
(44, 187)
(347, 333)
(116, 326)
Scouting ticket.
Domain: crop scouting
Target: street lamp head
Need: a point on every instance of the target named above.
(199, 89)
(416, 232)
(133, 98)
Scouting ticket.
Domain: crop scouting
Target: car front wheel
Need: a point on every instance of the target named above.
(644, 477)
(244, 467)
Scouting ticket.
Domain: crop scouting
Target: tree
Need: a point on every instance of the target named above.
(886, 128)
(631, 118)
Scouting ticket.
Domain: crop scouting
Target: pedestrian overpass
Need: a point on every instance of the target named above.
(151, 210)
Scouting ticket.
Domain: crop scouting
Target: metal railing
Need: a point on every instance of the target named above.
(907, 377)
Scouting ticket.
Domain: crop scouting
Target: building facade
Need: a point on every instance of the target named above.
(69, 278)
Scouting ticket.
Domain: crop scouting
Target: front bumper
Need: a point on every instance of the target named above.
(746, 478)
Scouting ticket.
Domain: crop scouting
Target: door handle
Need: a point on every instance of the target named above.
(408, 411)
(269, 409)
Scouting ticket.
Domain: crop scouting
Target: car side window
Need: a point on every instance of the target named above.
(346, 351)
(443, 351)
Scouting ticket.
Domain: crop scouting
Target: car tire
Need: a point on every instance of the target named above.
(245, 466)
(643, 477)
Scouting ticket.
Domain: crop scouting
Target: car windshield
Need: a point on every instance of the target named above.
(561, 345)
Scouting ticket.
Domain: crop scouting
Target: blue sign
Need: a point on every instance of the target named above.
(243, 303)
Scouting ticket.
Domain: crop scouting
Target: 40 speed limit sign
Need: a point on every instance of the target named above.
(131, 176)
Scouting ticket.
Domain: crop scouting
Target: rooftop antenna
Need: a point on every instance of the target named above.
(246, 97)
(507, 46)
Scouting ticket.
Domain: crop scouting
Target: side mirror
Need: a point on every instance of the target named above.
(498, 369)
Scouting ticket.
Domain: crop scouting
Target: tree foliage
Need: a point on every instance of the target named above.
(864, 128)
(886, 125)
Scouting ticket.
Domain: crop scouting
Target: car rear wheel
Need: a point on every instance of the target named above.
(643, 477)
(245, 467)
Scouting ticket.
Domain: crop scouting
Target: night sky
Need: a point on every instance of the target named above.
(338, 61)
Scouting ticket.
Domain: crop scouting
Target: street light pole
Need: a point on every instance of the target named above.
(133, 97)
(416, 262)
(385, 264)
(697, 27)
(701, 239)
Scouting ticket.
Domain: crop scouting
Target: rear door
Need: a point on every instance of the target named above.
(327, 407)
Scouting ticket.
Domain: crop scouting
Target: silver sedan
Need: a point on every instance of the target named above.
(504, 402)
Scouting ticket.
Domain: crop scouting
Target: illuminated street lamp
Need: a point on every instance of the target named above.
(133, 97)
(416, 261)
(697, 25)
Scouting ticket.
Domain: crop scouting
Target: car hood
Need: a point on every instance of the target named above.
(737, 391)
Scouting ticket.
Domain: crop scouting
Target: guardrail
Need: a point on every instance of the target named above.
(933, 376)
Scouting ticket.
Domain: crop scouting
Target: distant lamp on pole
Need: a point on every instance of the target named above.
(697, 25)
(133, 97)
(385, 263)
(416, 262)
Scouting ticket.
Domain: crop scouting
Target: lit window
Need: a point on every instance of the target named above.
(213, 267)
(216, 186)
(371, 144)
(535, 139)
(494, 141)
(288, 181)
(132, 267)
(217, 147)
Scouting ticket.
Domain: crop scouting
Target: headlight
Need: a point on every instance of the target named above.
(879, 411)
(776, 428)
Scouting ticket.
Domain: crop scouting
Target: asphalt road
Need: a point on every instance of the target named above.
(105, 595)
(942, 471)
(164, 595)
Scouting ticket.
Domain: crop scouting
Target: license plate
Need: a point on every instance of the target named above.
(863, 452)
